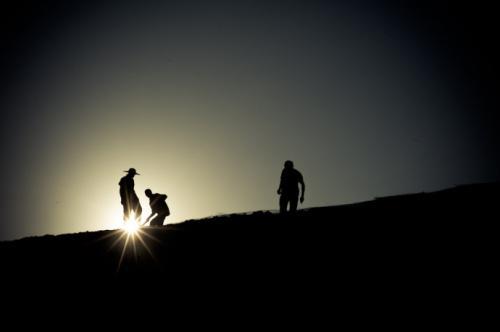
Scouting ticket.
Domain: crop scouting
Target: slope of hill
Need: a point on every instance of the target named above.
(416, 242)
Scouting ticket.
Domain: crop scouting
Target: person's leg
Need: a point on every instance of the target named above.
(137, 207)
(160, 219)
(294, 201)
(138, 211)
(126, 211)
(283, 203)
(152, 222)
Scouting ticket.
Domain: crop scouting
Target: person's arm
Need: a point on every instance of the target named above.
(303, 185)
(281, 183)
(148, 218)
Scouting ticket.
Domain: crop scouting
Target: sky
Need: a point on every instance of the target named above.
(207, 99)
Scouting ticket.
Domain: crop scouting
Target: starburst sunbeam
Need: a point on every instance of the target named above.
(139, 237)
(131, 232)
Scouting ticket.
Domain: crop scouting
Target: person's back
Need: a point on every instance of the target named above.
(159, 208)
(126, 186)
(157, 203)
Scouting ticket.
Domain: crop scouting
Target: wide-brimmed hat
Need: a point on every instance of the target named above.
(132, 171)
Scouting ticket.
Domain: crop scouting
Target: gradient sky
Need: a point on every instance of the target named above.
(207, 99)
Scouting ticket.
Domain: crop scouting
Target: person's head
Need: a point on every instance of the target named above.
(131, 172)
(288, 164)
(148, 192)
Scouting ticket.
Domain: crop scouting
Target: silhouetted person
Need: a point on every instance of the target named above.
(129, 199)
(159, 207)
(289, 188)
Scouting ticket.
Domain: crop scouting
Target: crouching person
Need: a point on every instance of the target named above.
(159, 208)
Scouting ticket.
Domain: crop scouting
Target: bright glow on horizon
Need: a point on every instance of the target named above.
(131, 235)
(128, 89)
(131, 225)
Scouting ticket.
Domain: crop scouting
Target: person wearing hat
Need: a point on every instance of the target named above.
(289, 187)
(129, 199)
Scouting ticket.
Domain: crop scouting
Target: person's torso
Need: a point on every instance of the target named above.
(157, 203)
(126, 185)
(290, 179)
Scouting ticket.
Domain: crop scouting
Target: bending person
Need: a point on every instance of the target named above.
(159, 208)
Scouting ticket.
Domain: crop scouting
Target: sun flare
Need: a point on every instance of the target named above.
(131, 225)
(131, 237)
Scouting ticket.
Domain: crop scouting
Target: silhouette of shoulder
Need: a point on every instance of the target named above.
(158, 196)
(157, 202)
(126, 181)
(291, 175)
(290, 179)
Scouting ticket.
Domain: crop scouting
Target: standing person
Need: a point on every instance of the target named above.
(129, 199)
(289, 188)
(159, 207)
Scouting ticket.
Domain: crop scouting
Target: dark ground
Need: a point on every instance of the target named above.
(432, 251)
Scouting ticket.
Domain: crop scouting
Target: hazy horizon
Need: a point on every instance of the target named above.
(208, 99)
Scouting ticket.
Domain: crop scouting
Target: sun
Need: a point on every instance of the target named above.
(132, 237)
(131, 225)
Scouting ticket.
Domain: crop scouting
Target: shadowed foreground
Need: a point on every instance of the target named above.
(437, 243)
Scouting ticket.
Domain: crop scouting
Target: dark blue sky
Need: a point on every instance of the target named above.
(208, 98)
